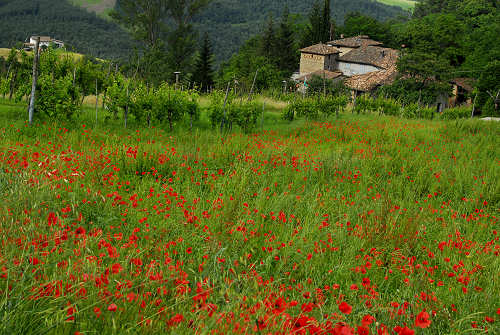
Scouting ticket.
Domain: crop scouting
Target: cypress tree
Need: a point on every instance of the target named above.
(268, 41)
(203, 72)
(326, 22)
(313, 33)
(286, 52)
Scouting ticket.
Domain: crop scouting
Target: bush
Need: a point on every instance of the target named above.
(454, 113)
(56, 98)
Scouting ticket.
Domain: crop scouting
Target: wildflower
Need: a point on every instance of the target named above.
(345, 308)
(422, 320)
(112, 307)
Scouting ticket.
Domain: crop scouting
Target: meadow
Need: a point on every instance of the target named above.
(361, 224)
(405, 4)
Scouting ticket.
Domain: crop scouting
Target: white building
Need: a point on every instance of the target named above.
(45, 42)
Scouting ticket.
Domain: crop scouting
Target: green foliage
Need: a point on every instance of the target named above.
(313, 107)
(169, 104)
(203, 74)
(236, 111)
(141, 103)
(118, 96)
(409, 90)
(454, 113)
(57, 98)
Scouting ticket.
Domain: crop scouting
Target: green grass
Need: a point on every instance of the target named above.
(405, 4)
(300, 211)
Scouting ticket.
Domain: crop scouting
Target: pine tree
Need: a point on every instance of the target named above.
(203, 73)
(286, 52)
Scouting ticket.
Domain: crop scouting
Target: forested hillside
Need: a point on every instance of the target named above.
(84, 31)
(231, 22)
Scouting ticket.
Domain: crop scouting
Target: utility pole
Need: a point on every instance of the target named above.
(31, 108)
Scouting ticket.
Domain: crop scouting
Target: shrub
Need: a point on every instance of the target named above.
(456, 113)
(56, 98)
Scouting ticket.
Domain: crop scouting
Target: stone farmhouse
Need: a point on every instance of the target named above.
(45, 42)
(362, 63)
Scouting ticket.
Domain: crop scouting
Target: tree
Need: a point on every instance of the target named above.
(203, 72)
(146, 19)
(286, 52)
(312, 34)
(326, 25)
(489, 88)
(268, 40)
(153, 22)
(359, 24)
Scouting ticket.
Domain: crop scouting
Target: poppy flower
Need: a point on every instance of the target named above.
(112, 307)
(345, 308)
(422, 320)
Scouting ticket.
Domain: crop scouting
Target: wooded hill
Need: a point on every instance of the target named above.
(229, 22)
(81, 30)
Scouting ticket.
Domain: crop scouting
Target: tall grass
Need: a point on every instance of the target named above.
(300, 211)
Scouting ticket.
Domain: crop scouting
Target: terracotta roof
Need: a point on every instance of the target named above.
(465, 83)
(320, 73)
(320, 49)
(354, 42)
(369, 81)
(377, 56)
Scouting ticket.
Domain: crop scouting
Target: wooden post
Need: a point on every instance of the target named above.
(33, 84)
(96, 100)
(473, 106)
(126, 108)
(13, 83)
(224, 108)
(324, 84)
(253, 85)
(262, 119)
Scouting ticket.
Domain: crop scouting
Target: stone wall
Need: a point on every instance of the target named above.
(311, 63)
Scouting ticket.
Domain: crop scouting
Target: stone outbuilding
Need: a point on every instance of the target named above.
(318, 57)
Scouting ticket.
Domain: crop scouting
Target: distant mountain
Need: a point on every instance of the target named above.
(81, 23)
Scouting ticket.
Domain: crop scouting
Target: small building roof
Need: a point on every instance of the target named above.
(354, 42)
(42, 38)
(465, 83)
(320, 49)
(369, 81)
(382, 58)
(321, 73)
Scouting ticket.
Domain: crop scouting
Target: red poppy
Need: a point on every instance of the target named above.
(345, 308)
(422, 320)
(112, 307)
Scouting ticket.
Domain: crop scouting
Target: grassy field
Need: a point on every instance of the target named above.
(357, 225)
(4, 52)
(405, 4)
